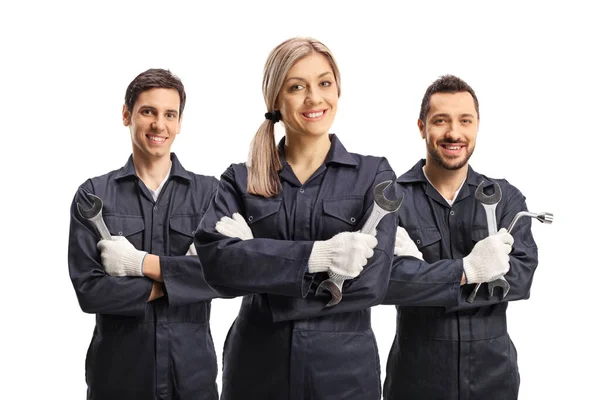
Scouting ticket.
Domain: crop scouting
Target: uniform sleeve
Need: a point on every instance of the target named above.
(415, 282)
(235, 267)
(183, 275)
(366, 290)
(523, 259)
(97, 291)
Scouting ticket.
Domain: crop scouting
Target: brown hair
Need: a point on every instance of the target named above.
(445, 84)
(154, 79)
(263, 162)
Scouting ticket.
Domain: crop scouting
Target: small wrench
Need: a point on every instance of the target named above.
(94, 214)
(544, 218)
(489, 205)
(381, 207)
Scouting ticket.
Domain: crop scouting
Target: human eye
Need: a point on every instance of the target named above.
(296, 87)
(467, 121)
(147, 111)
(439, 121)
(171, 115)
(326, 83)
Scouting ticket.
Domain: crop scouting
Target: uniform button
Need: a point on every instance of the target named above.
(120, 233)
(155, 208)
(451, 212)
(352, 219)
(193, 232)
(301, 190)
(418, 241)
(250, 218)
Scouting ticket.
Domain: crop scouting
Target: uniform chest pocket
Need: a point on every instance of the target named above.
(262, 216)
(341, 214)
(428, 241)
(479, 233)
(181, 232)
(132, 227)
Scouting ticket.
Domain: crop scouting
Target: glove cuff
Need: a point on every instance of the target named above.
(473, 273)
(320, 257)
(133, 262)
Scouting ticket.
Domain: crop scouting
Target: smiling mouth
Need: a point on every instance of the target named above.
(452, 149)
(314, 115)
(156, 139)
(452, 146)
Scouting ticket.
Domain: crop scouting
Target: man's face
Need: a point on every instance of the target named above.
(154, 123)
(450, 129)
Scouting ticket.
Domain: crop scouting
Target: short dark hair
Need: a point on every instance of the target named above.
(446, 84)
(153, 79)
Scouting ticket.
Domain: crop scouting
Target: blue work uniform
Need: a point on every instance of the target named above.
(446, 348)
(284, 343)
(139, 350)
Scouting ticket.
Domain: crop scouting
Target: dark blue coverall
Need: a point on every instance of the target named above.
(446, 348)
(285, 344)
(139, 350)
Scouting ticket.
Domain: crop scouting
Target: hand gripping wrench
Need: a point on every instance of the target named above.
(544, 217)
(381, 207)
(489, 205)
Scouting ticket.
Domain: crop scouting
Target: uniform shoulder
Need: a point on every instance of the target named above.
(412, 176)
(203, 180)
(235, 176)
(91, 185)
(379, 162)
(235, 170)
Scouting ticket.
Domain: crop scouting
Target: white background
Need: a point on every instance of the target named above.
(64, 71)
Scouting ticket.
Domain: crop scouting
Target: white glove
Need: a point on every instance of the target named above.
(405, 246)
(489, 258)
(344, 254)
(236, 227)
(120, 258)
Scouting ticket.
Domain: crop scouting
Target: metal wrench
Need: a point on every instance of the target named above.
(489, 204)
(544, 218)
(94, 214)
(381, 207)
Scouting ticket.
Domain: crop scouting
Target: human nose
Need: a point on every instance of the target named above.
(453, 130)
(313, 96)
(158, 124)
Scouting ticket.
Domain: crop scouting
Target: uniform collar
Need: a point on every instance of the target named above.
(128, 170)
(415, 174)
(337, 153)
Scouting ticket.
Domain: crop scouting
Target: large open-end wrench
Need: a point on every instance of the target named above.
(381, 207)
(489, 205)
(94, 214)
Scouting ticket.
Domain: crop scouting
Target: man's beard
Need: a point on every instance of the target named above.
(455, 164)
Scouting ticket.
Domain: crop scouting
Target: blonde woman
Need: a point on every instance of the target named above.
(279, 224)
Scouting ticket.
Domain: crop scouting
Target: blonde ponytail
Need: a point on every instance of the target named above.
(264, 163)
